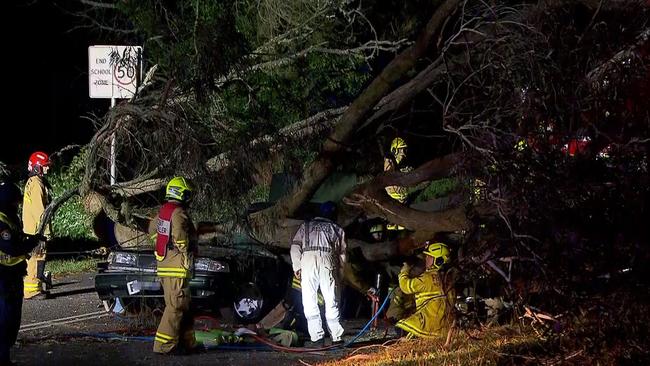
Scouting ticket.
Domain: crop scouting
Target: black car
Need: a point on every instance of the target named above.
(246, 276)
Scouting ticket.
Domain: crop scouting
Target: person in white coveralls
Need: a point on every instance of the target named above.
(318, 256)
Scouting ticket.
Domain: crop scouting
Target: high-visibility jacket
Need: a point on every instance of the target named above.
(295, 284)
(7, 230)
(430, 303)
(400, 305)
(398, 193)
(35, 199)
(175, 242)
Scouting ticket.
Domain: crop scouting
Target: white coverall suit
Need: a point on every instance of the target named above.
(320, 256)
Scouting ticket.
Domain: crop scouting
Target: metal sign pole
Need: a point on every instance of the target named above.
(113, 169)
(114, 72)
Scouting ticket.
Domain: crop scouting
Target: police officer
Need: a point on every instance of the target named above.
(14, 246)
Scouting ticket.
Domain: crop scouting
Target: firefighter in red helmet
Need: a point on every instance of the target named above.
(35, 199)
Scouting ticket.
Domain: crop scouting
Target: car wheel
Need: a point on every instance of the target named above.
(248, 305)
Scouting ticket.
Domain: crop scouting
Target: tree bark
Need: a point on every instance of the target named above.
(307, 127)
(374, 252)
(400, 96)
(639, 50)
(373, 200)
(353, 116)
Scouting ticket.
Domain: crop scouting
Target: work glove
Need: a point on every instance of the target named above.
(40, 248)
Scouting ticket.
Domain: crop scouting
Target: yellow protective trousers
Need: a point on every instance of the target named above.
(176, 325)
(33, 284)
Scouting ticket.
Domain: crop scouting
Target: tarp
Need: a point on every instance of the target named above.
(334, 188)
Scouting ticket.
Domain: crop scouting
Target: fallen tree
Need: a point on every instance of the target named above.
(537, 112)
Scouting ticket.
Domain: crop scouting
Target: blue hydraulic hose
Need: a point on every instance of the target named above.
(365, 328)
(235, 347)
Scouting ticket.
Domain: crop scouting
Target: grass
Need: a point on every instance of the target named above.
(496, 346)
(70, 266)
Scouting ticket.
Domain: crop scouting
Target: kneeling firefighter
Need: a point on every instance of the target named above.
(175, 251)
(14, 246)
(430, 299)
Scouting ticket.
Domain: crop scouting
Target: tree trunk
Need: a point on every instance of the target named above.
(373, 200)
(353, 116)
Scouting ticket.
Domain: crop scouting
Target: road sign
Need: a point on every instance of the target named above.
(114, 71)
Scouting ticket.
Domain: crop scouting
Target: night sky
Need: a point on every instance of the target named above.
(45, 81)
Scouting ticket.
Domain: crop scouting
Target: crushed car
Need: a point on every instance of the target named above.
(244, 276)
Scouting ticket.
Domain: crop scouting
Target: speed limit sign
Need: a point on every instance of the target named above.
(114, 71)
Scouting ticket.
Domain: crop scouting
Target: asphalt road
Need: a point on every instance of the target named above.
(51, 334)
(72, 295)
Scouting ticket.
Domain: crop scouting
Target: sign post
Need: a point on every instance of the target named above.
(114, 72)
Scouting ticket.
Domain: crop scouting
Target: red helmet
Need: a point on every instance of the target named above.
(38, 160)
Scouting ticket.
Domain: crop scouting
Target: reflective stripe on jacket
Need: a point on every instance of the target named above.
(164, 229)
(178, 260)
(35, 199)
(318, 235)
(430, 303)
(295, 284)
(6, 259)
(397, 193)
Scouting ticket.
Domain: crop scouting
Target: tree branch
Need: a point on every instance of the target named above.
(353, 116)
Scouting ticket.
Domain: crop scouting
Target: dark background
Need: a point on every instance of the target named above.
(45, 81)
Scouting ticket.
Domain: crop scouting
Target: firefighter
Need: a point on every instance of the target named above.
(175, 251)
(397, 161)
(35, 199)
(318, 254)
(295, 316)
(428, 321)
(401, 305)
(13, 249)
(377, 232)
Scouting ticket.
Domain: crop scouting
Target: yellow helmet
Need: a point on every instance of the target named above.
(377, 232)
(439, 252)
(178, 189)
(377, 228)
(398, 143)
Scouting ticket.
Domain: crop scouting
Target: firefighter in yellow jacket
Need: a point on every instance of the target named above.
(175, 251)
(36, 198)
(428, 321)
(397, 161)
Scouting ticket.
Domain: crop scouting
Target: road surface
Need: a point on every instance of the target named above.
(50, 335)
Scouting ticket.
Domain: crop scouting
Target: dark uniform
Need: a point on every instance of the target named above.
(295, 315)
(13, 249)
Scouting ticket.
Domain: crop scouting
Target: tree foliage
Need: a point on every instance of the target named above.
(538, 114)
